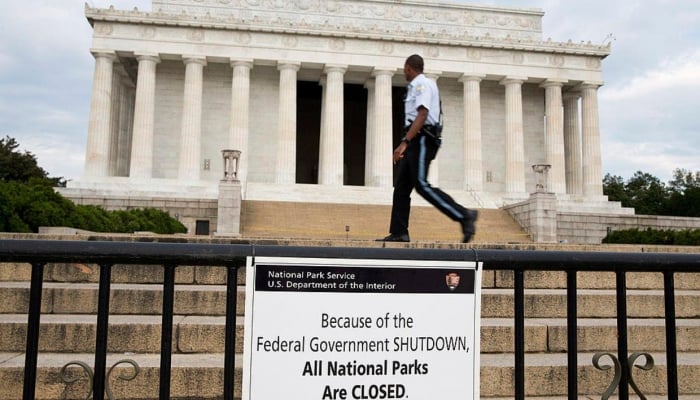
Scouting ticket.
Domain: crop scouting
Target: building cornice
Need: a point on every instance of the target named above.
(296, 24)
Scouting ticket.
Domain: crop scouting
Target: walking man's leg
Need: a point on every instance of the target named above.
(401, 204)
(441, 200)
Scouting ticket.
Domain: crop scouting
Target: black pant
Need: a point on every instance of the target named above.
(413, 173)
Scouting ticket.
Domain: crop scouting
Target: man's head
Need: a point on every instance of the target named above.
(413, 67)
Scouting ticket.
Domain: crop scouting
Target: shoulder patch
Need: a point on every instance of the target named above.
(420, 88)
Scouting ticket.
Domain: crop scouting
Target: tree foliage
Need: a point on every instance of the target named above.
(26, 207)
(21, 166)
(28, 201)
(648, 195)
(686, 237)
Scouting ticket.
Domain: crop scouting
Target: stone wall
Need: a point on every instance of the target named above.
(545, 224)
(187, 211)
(538, 216)
(592, 228)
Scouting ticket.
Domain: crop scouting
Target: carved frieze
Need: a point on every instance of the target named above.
(556, 60)
(336, 44)
(386, 48)
(437, 28)
(195, 35)
(518, 58)
(593, 63)
(357, 16)
(474, 54)
(433, 51)
(104, 29)
(148, 32)
(242, 37)
(289, 41)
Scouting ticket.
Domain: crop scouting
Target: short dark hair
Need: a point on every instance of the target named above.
(416, 62)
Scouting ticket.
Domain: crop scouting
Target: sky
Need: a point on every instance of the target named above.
(649, 105)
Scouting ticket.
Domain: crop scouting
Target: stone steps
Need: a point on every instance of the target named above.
(200, 376)
(205, 334)
(261, 219)
(68, 325)
(146, 299)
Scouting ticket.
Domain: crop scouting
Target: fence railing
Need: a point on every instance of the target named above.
(231, 257)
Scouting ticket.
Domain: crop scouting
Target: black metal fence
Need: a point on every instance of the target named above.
(232, 257)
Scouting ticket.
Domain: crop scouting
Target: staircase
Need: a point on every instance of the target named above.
(266, 219)
(68, 327)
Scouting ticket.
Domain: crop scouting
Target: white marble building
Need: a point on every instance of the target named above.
(310, 91)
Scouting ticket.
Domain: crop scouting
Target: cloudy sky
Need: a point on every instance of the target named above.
(649, 106)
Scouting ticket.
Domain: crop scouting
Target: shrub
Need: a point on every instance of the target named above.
(24, 207)
(685, 237)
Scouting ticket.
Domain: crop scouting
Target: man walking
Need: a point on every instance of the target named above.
(418, 147)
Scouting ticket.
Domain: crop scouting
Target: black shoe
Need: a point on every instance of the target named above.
(468, 227)
(395, 237)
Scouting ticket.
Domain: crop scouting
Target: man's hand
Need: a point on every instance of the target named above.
(398, 151)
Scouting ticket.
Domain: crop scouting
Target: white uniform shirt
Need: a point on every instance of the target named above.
(422, 92)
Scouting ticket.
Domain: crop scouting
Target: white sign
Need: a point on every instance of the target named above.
(332, 329)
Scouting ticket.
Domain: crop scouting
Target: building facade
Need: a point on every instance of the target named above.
(310, 92)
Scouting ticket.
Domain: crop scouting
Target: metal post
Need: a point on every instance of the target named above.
(166, 338)
(230, 338)
(33, 322)
(671, 350)
(519, 334)
(621, 289)
(98, 387)
(571, 334)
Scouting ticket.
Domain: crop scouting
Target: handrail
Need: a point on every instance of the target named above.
(169, 256)
(222, 254)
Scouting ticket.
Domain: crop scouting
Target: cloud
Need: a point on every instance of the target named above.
(657, 158)
(681, 73)
(650, 121)
(55, 154)
(649, 105)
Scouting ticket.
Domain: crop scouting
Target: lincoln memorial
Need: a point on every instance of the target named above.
(311, 94)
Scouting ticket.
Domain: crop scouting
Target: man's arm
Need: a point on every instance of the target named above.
(413, 130)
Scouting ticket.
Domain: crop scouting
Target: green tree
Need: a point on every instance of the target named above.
(21, 166)
(614, 188)
(648, 194)
(684, 199)
(684, 180)
(28, 200)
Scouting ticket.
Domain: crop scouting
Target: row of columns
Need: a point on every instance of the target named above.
(573, 153)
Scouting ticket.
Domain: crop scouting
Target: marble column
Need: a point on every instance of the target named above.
(515, 150)
(115, 114)
(126, 117)
(191, 127)
(240, 115)
(99, 132)
(141, 166)
(381, 171)
(287, 123)
(572, 144)
(554, 136)
(590, 141)
(322, 126)
(473, 156)
(369, 134)
(331, 155)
